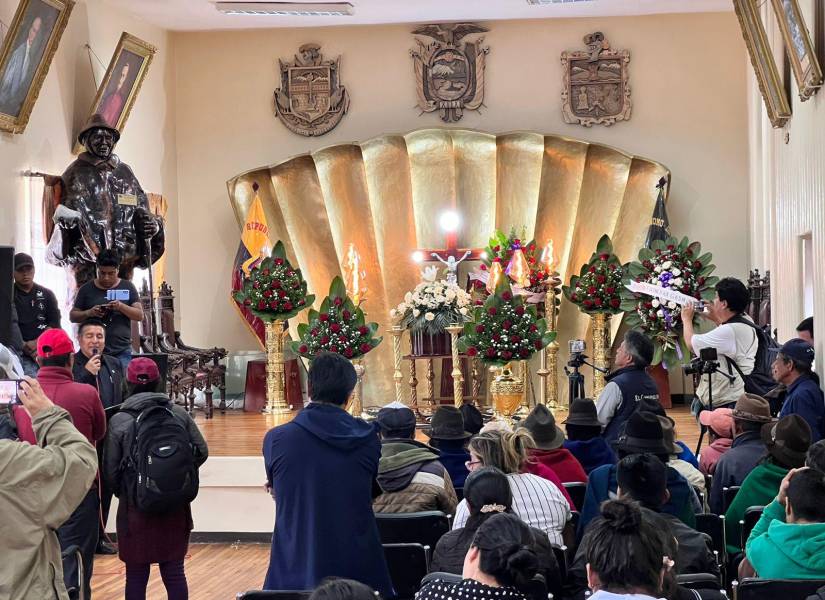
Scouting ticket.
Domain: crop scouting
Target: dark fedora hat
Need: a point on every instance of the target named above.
(642, 433)
(446, 424)
(542, 427)
(751, 407)
(473, 419)
(787, 440)
(582, 412)
(96, 121)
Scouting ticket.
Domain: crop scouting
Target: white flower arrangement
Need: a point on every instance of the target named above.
(432, 305)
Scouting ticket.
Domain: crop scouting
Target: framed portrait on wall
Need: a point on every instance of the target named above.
(801, 52)
(27, 52)
(121, 84)
(764, 66)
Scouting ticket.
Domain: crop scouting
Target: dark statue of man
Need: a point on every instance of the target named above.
(103, 207)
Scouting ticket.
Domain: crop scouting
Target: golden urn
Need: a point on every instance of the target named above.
(507, 391)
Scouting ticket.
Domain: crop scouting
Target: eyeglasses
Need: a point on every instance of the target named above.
(470, 463)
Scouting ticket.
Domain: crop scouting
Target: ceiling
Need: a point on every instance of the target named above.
(193, 15)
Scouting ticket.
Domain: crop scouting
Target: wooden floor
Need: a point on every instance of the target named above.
(240, 434)
(214, 572)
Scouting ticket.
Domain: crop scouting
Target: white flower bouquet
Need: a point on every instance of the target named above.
(432, 305)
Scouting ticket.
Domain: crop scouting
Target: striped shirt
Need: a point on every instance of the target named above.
(536, 501)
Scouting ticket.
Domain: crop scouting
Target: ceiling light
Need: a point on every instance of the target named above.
(298, 9)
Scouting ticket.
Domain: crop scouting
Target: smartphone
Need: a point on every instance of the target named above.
(122, 295)
(9, 391)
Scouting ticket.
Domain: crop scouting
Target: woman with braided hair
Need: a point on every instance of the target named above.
(487, 492)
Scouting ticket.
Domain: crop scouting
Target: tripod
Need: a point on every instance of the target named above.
(575, 380)
(709, 371)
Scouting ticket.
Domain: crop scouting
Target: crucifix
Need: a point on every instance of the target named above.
(450, 256)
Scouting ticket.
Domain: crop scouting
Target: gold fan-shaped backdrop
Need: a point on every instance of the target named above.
(385, 195)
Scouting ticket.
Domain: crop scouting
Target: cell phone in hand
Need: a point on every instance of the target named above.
(114, 295)
(9, 391)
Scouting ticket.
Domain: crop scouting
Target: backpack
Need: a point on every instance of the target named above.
(760, 380)
(160, 473)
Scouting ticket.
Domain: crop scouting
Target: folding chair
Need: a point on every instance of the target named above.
(560, 553)
(771, 589)
(714, 527)
(728, 494)
(74, 588)
(577, 490)
(441, 576)
(274, 595)
(408, 564)
(699, 581)
(748, 522)
(424, 528)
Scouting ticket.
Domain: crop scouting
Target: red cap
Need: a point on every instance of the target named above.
(142, 370)
(54, 342)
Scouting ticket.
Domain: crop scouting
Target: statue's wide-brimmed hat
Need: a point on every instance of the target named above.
(96, 121)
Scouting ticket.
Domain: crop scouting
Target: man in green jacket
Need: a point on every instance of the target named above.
(787, 442)
(40, 487)
(788, 542)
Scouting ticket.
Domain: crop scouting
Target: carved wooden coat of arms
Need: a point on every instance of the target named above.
(596, 90)
(311, 100)
(449, 72)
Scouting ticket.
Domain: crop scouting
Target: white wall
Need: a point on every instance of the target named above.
(689, 94)
(787, 199)
(147, 144)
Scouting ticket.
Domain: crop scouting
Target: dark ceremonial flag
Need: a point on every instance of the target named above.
(659, 224)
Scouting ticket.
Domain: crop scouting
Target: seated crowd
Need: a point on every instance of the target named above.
(612, 504)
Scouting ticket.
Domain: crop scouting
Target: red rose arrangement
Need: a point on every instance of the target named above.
(673, 265)
(338, 327)
(598, 286)
(503, 329)
(274, 289)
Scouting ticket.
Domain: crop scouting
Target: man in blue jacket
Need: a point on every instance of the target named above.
(321, 467)
(792, 367)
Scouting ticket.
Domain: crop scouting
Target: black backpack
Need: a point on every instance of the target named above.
(160, 472)
(760, 381)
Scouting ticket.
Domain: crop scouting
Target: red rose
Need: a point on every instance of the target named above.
(342, 338)
(335, 328)
(587, 303)
(492, 310)
(517, 242)
(658, 251)
(479, 328)
(519, 310)
(491, 352)
(478, 284)
(609, 290)
(537, 344)
(506, 324)
(648, 304)
(531, 260)
(604, 256)
(472, 351)
(303, 349)
(287, 306)
(495, 337)
(290, 273)
(597, 301)
(323, 317)
(592, 269)
(247, 302)
(506, 355)
(256, 285)
(601, 278)
(278, 261)
(273, 305)
(647, 264)
(346, 315)
(301, 302)
(296, 285)
(325, 339)
(574, 298)
(497, 259)
(276, 284)
(591, 290)
(507, 296)
(314, 332)
(333, 349)
(338, 301)
(265, 272)
(365, 348)
(479, 302)
(515, 339)
(534, 328)
(281, 294)
(267, 294)
(348, 352)
(363, 330)
(483, 267)
(532, 248)
(671, 247)
(615, 303)
(261, 305)
(701, 281)
(524, 353)
(496, 248)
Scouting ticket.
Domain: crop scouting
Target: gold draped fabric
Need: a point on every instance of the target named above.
(385, 195)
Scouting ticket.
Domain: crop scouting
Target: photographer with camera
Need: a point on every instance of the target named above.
(627, 385)
(734, 339)
(114, 301)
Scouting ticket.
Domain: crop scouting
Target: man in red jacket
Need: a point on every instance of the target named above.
(55, 355)
(548, 451)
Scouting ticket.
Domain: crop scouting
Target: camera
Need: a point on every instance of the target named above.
(577, 356)
(707, 362)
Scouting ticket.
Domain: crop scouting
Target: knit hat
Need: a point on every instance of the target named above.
(720, 420)
(798, 350)
(54, 342)
(751, 407)
(669, 433)
(582, 412)
(788, 440)
(642, 433)
(447, 424)
(395, 417)
(542, 427)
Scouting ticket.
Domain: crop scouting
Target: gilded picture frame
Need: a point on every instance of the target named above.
(121, 84)
(25, 57)
(800, 48)
(764, 66)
